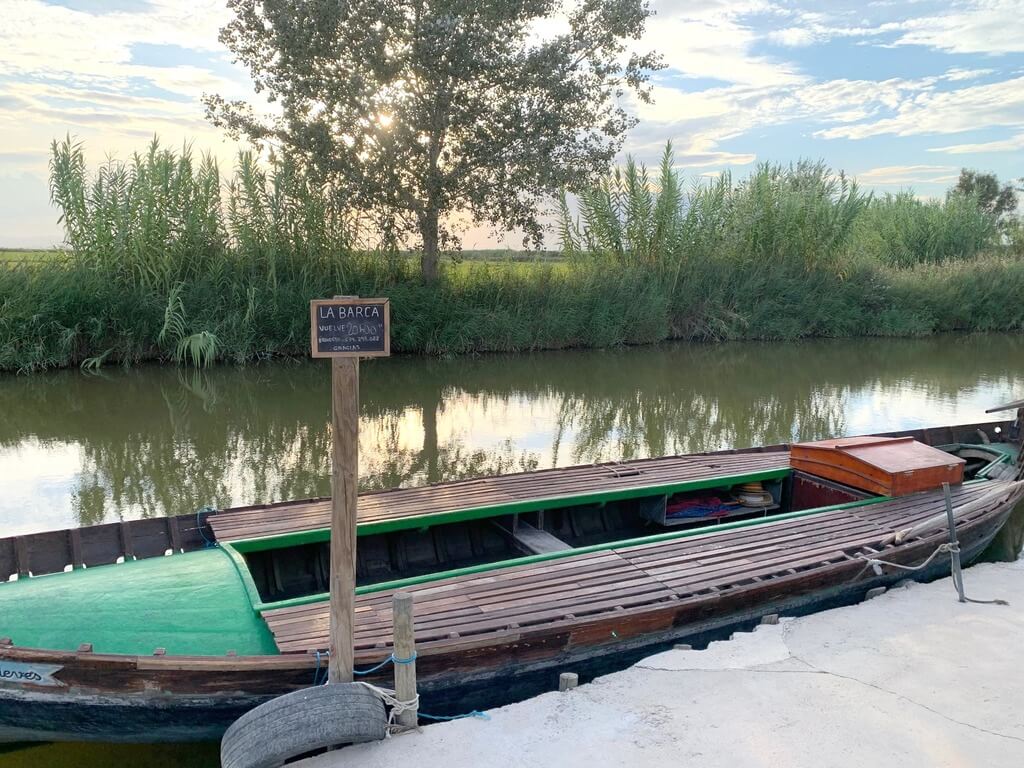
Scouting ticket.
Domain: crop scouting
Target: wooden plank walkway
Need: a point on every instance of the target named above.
(563, 483)
(589, 585)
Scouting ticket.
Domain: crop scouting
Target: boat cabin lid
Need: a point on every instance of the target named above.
(890, 454)
(890, 466)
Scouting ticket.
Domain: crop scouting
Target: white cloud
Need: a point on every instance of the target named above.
(983, 26)
(930, 111)
(901, 175)
(793, 37)
(709, 40)
(956, 74)
(1011, 144)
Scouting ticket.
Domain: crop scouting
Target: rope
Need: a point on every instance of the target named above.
(877, 564)
(209, 543)
(388, 696)
(397, 707)
(389, 660)
(951, 548)
(316, 671)
(474, 713)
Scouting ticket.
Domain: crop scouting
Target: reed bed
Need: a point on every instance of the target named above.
(167, 260)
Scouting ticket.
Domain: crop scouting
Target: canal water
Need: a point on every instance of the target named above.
(84, 448)
(80, 449)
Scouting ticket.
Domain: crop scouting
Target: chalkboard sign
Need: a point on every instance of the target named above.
(350, 327)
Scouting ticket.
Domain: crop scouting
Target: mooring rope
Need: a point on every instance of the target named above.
(389, 697)
(876, 564)
(396, 707)
(209, 543)
(950, 547)
(391, 659)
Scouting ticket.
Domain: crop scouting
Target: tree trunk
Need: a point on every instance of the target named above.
(428, 230)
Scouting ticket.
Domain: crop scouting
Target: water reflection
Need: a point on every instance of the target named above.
(77, 448)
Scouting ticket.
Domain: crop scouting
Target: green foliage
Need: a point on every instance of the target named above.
(420, 110)
(624, 219)
(903, 231)
(150, 222)
(991, 197)
(797, 215)
(788, 253)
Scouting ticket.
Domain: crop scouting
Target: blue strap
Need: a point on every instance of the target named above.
(474, 713)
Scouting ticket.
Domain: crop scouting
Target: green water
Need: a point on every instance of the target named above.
(80, 448)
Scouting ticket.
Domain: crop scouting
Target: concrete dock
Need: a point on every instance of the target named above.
(909, 678)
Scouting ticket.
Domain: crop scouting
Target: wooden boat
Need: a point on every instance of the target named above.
(169, 629)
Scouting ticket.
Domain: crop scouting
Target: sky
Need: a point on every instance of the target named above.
(899, 93)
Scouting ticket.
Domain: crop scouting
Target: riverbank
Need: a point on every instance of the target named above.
(62, 314)
(910, 678)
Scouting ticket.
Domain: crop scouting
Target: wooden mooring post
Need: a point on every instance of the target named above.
(344, 497)
(345, 329)
(405, 656)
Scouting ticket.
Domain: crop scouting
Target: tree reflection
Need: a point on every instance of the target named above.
(157, 441)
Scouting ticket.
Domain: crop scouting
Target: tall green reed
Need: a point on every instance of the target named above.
(902, 230)
(169, 260)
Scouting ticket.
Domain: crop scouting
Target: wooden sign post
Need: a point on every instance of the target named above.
(346, 328)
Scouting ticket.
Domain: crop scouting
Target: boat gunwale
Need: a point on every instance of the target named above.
(191, 531)
(297, 661)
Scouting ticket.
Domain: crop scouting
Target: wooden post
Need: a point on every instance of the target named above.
(567, 681)
(405, 648)
(344, 329)
(344, 497)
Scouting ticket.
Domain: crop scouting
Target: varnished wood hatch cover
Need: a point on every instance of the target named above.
(891, 466)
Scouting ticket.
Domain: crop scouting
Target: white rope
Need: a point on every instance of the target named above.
(877, 564)
(395, 707)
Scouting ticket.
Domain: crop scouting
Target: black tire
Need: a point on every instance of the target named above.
(303, 721)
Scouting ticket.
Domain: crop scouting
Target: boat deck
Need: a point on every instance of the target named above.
(499, 603)
(388, 510)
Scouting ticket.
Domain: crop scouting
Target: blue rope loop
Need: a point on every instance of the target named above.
(474, 713)
(391, 659)
(209, 543)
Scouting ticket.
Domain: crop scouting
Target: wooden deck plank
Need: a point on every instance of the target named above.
(398, 504)
(492, 604)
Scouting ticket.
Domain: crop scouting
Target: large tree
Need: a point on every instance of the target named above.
(425, 111)
(991, 196)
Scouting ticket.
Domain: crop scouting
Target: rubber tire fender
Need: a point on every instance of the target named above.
(303, 721)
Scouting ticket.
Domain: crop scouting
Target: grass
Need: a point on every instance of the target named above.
(31, 256)
(168, 262)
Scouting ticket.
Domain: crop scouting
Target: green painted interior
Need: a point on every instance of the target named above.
(189, 604)
(528, 559)
(518, 507)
